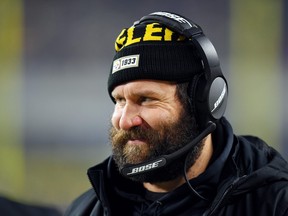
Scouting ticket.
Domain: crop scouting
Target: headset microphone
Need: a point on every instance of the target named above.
(163, 160)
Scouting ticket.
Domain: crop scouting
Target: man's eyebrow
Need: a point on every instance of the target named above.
(115, 94)
(140, 93)
(147, 92)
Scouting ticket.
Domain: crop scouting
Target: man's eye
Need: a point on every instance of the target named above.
(146, 99)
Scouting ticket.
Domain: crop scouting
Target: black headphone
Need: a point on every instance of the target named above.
(208, 91)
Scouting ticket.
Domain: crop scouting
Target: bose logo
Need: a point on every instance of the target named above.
(174, 17)
(145, 167)
(220, 99)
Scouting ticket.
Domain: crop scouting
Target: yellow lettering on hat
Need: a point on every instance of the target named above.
(130, 39)
(150, 30)
(120, 40)
(168, 35)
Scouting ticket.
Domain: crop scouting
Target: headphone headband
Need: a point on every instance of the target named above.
(176, 22)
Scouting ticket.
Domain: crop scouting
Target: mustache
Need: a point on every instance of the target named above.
(121, 137)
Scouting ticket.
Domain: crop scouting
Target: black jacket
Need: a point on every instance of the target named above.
(247, 178)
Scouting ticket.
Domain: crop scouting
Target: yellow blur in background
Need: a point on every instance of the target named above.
(12, 161)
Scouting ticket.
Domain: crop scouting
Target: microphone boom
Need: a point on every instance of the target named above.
(161, 161)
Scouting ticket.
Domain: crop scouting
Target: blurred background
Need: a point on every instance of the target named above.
(54, 62)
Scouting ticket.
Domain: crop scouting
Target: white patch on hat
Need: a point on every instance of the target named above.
(125, 62)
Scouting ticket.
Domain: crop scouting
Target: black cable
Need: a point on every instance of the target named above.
(188, 183)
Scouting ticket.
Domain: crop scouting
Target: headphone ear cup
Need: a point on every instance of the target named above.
(209, 99)
(200, 98)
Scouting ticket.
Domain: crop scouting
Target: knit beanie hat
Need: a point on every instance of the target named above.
(152, 51)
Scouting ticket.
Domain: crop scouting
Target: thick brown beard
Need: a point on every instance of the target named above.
(167, 139)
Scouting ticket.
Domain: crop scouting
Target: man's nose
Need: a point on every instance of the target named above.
(130, 117)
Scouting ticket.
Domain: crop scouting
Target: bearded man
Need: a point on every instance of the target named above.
(173, 151)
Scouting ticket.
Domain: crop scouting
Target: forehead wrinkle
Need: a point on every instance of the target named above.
(145, 88)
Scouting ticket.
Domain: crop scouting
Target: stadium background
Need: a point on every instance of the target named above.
(54, 61)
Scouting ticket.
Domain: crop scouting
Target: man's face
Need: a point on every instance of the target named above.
(149, 121)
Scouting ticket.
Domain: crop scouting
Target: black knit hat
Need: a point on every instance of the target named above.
(152, 51)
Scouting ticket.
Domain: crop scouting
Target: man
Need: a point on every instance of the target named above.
(173, 152)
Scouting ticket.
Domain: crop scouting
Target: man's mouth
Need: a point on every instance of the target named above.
(136, 141)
